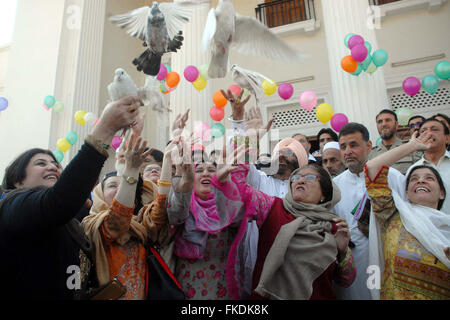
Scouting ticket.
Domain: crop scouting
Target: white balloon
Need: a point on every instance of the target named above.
(90, 118)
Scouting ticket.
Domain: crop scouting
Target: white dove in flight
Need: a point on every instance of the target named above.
(159, 27)
(225, 28)
(250, 80)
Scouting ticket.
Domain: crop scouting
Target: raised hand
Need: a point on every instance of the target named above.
(423, 141)
(117, 115)
(342, 236)
(230, 162)
(179, 123)
(134, 152)
(254, 123)
(237, 106)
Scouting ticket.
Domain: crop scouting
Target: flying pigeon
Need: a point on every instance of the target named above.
(250, 80)
(225, 28)
(160, 29)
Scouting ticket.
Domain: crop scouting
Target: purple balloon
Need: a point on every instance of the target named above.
(359, 52)
(354, 41)
(411, 86)
(191, 73)
(338, 121)
(3, 103)
(162, 73)
(285, 90)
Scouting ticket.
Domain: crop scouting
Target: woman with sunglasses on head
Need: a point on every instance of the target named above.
(39, 238)
(303, 245)
(410, 239)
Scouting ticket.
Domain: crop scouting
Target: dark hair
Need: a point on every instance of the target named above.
(415, 117)
(353, 127)
(106, 176)
(438, 177)
(200, 156)
(330, 132)
(326, 184)
(299, 134)
(446, 129)
(157, 155)
(443, 116)
(16, 171)
(387, 111)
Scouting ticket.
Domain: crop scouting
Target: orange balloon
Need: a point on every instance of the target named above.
(349, 64)
(219, 100)
(172, 79)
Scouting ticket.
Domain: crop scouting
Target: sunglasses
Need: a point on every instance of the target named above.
(309, 177)
(415, 125)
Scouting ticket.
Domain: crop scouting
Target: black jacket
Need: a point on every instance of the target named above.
(39, 237)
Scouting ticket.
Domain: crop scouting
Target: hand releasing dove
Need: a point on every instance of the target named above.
(225, 28)
(160, 29)
(250, 80)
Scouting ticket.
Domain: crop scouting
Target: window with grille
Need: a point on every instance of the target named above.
(422, 101)
(294, 116)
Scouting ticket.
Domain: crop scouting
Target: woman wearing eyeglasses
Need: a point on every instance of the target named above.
(303, 245)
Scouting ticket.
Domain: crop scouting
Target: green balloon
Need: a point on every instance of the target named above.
(59, 155)
(430, 83)
(442, 70)
(380, 57)
(372, 68)
(49, 101)
(58, 107)
(347, 37)
(217, 130)
(203, 70)
(72, 137)
(366, 63)
(368, 46)
(358, 70)
(403, 115)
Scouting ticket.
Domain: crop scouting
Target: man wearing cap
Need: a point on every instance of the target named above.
(387, 125)
(332, 159)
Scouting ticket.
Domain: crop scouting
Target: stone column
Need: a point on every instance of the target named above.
(186, 96)
(359, 97)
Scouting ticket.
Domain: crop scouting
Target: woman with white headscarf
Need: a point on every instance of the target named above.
(409, 236)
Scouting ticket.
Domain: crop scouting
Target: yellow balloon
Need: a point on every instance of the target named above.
(269, 88)
(324, 112)
(200, 83)
(63, 144)
(79, 117)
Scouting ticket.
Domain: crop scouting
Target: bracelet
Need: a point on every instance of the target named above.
(164, 183)
(236, 121)
(98, 145)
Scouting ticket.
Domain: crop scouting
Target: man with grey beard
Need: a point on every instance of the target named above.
(387, 125)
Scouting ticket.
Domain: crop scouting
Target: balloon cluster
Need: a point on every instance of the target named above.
(430, 83)
(361, 58)
(64, 144)
(168, 79)
(3, 103)
(285, 90)
(82, 117)
(51, 103)
(324, 111)
(197, 76)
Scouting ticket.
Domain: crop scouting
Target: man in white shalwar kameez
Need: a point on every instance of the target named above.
(355, 148)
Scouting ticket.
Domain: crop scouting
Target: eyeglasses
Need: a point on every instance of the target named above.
(152, 168)
(415, 125)
(309, 177)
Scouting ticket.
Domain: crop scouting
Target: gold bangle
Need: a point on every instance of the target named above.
(164, 183)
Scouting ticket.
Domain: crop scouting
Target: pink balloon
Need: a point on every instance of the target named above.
(355, 40)
(162, 73)
(359, 52)
(411, 86)
(338, 121)
(216, 113)
(285, 90)
(308, 100)
(116, 141)
(202, 130)
(191, 73)
(235, 89)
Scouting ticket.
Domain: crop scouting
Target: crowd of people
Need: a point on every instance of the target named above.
(349, 221)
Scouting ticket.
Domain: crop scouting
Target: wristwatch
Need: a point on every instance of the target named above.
(130, 180)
